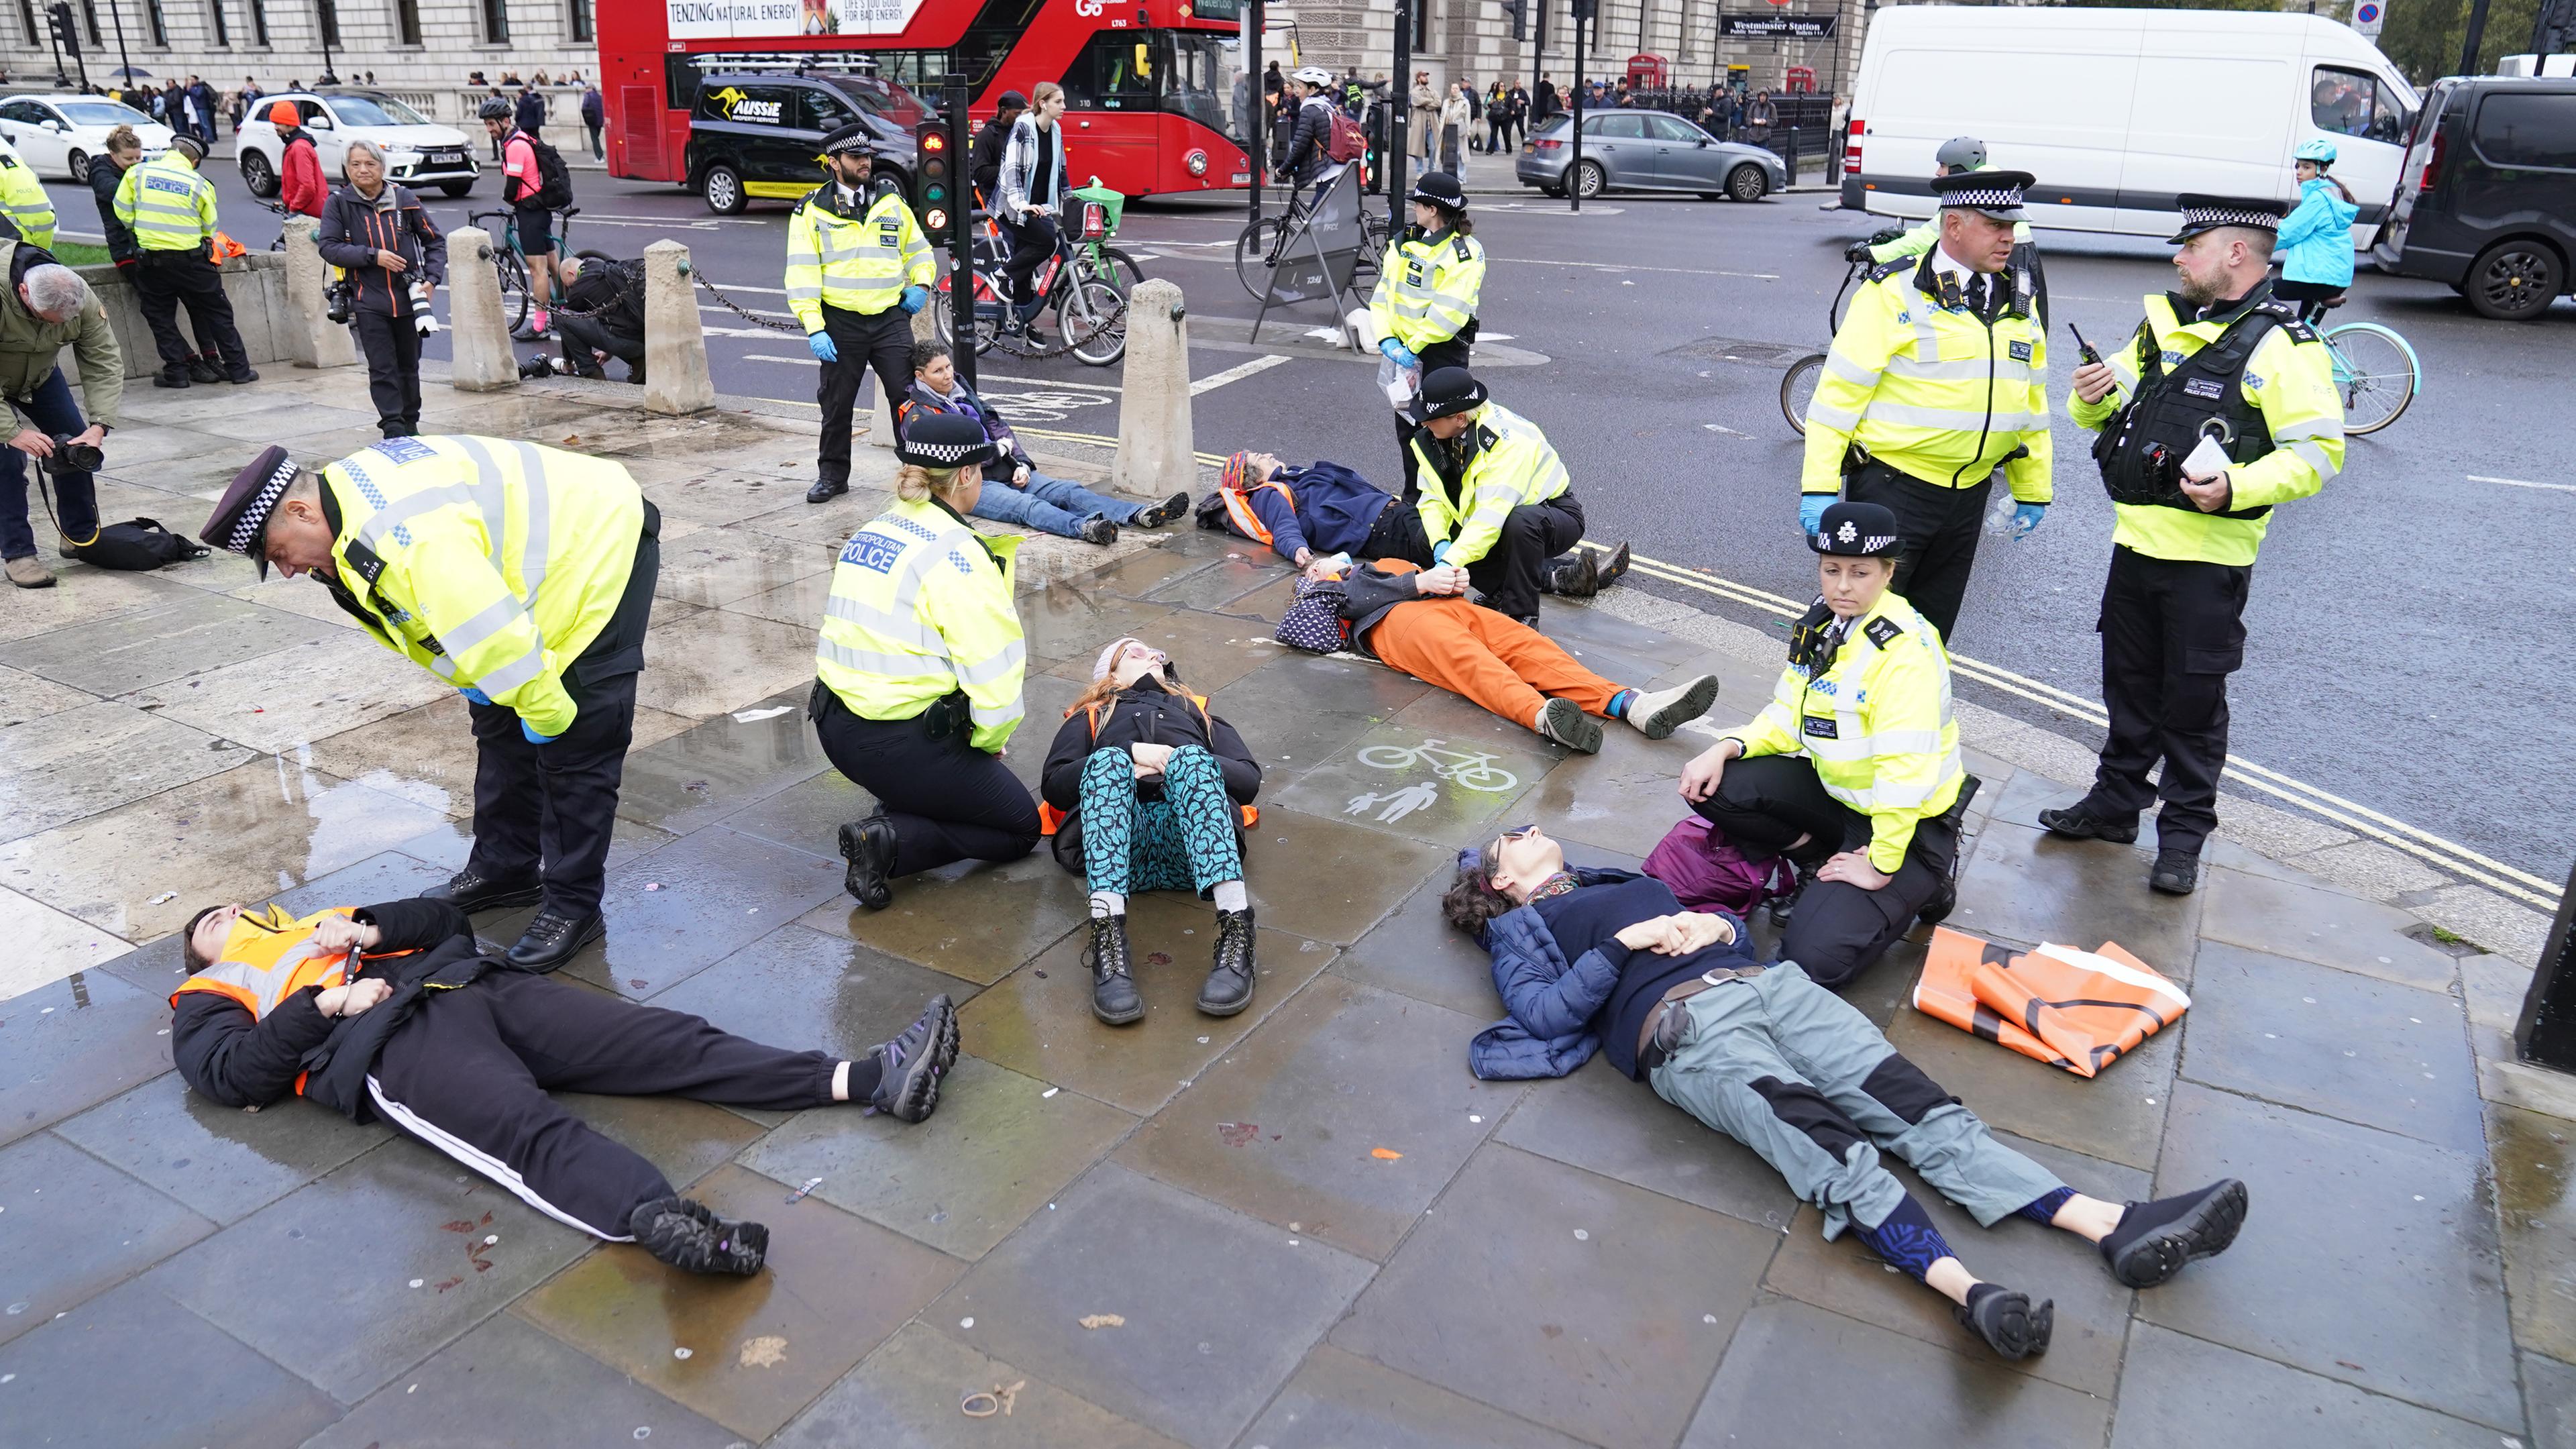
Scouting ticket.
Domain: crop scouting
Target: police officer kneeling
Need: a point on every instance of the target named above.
(918, 672)
(1852, 770)
(857, 269)
(520, 574)
(2217, 361)
(1496, 499)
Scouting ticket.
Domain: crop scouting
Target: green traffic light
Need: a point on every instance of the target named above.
(935, 193)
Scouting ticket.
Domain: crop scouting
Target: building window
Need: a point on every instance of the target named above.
(326, 13)
(407, 21)
(156, 23)
(496, 22)
(578, 21)
(27, 14)
(259, 23)
(215, 13)
(89, 12)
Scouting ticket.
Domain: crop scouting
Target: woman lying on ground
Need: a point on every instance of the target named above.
(1589, 958)
(1145, 790)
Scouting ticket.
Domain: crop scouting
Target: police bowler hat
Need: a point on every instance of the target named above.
(239, 523)
(1858, 530)
(1440, 189)
(851, 140)
(944, 440)
(1448, 390)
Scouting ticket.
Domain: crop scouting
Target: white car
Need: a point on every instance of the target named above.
(58, 134)
(418, 152)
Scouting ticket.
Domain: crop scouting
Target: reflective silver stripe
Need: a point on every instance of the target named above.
(1927, 337)
(862, 284)
(1850, 371)
(1950, 419)
(403, 510)
(1822, 413)
(1508, 491)
(269, 986)
(443, 667)
(1966, 369)
(884, 666)
(2313, 428)
(1016, 709)
(1013, 655)
(2315, 457)
(902, 628)
(513, 674)
(171, 208)
(539, 543)
(487, 621)
(804, 294)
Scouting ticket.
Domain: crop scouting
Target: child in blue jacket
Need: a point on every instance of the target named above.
(2315, 242)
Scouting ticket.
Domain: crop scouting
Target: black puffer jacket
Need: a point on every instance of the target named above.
(1143, 713)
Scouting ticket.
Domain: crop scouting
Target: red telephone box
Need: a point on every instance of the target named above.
(1647, 71)
(1802, 80)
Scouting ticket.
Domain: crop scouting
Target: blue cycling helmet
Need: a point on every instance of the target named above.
(2320, 150)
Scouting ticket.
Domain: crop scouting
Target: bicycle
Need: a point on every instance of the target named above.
(515, 283)
(1472, 771)
(1257, 249)
(1091, 311)
(2374, 369)
(1798, 385)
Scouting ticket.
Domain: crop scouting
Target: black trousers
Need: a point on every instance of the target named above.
(469, 1074)
(166, 281)
(550, 808)
(1836, 929)
(1453, 352)
(882, 341)
(1511, 576)
(585, 337)
(1032, 242)
(392, 346)
(948, 800)
(2172, 631)
(1397, 534)
(1941, 526)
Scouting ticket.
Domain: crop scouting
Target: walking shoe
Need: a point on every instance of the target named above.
(827, 489)
(171, 377)
(1097, 529)
(553, 938)
(1114, 998)
(1579, 577)
(909, 1068)
(30, 573)
(1169, 510)
(1612, 568)
(242, 375)
(2075, 822)
(1783, 906)
(690, 1237)
(470, 890)
(2009, 1322)
(868, 845)
(1657, 713)
(200, 370)
(2155, 1239)
(1229, 982)
(2177, 873)
(1564, 721)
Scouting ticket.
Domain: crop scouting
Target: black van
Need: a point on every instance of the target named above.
(2486, 199)
(758, 133)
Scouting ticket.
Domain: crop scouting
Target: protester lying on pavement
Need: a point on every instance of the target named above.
(1145, 790)
(393, 1010)
(1591, 959)
(1016, 492)
(1418, 620)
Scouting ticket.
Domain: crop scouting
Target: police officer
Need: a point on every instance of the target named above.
(25, 209)
(2217, 361)
(1958, 155)
(1429, 286)
(857, 269)
(918, 673)
(523, 576)
(1938, 379)
(172, 211)
(1852, 770)
(1496, 499)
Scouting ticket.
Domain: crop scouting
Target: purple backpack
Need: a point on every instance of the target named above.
(1706, 871)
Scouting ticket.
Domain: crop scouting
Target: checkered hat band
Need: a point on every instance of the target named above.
(1994, 196)
(254, 515)
(943, 454)
(2230, 216)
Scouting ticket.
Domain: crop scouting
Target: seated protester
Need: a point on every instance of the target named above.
(1418, 621)
(1145, 790)
(1591, 959)
(602, 315)
(1325, 508)
(1495, 498)
(1852, 770)
(1015, 491)
(393, 1011)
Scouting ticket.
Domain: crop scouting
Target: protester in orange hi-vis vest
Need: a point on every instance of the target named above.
(2080, 1010)
(393, 1011)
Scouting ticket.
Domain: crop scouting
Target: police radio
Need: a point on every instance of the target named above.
(2083, 348)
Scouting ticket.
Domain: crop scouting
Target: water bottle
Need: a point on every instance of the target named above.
(1999, 513)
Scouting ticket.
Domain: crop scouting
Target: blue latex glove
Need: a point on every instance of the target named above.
(820, 343)
(1811, 511)
(2026, 517)
(914, 298)
(474, 695)
(530, 732)
(1440, 552)
(1397, 353)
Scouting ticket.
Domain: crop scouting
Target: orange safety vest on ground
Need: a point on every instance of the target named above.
(1238, 509)
(1050, 818)
(269, 956)
(2073, 1009)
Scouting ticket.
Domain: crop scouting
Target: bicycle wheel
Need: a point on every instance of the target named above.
(1255, 253)
(514, 288)
(1485, 778)
(2376, 372)
(1797, 386)
(1119, 270)
(1095, 323)
(1388, 757)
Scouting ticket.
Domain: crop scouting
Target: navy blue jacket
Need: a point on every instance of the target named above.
(1336, 510)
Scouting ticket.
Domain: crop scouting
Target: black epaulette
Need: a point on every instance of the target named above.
(1464, 253)
(2299, 330)
(1486, 437)
(362, 561)
(1883, 632)
(1885, 270)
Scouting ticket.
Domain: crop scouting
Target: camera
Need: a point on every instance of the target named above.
(71, 457)
(421, 315)
(537, 366)
(339, 302)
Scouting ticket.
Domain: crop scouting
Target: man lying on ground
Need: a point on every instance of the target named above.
(1591, 959)
(1418, 621)
(393, 1010)
(1325, 508)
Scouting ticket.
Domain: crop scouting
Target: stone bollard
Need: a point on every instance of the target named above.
(479, 350)
(1157, 455)
(881, 416)
(675, 344)
(314, 340)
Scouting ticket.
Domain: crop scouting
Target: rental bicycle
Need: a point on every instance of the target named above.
(1090, 307)
(516, 297)
(2375, 370)
(1798, 385)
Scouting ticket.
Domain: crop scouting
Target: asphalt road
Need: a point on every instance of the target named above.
(2410, 630)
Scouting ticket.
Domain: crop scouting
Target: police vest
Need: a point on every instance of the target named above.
(170, 207)
(2141, 451)
(23, 202)
(1238, 511)
(1501, 462)
(1050, 819)
(852, 263)
(922, 608)
(1428, 288)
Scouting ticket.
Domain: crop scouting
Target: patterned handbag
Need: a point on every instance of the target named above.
(1314, 622)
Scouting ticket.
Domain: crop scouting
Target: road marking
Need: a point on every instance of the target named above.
(1625, 267)
(773, 357)
(2520, 483)
(747, 287)
(1236, 373)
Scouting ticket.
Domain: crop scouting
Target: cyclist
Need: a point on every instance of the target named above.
(2315, 243)
(1032, 187)
(1959, 154)
(1309, 160)
(1428, 290)
(523, 187)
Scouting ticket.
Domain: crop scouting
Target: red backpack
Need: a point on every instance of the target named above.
(1347, 141)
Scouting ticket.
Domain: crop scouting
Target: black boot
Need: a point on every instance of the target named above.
(2176, 873)
(1114, 998)
(1229, 983)
(1945, 895)
(689, 1236)
(1784, 906)
(201, 370)
(868, 845)
(470, 890)
(826, 489)
(2079, 822)
(553, 938)
(1577, 578)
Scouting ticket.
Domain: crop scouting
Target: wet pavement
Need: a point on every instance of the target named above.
(1310, 1224)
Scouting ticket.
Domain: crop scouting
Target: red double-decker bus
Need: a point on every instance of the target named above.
(1149, 96)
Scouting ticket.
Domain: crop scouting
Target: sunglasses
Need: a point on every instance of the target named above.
(1490, 860)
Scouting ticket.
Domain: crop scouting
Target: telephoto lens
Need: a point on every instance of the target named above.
(337, 303)
(421, 315)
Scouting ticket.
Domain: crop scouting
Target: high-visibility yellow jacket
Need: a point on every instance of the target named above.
(2290, 378)
(170, 206)
(23, 199)
(1937, 393)
(1876, 723)
(1428, 287)
(921, 607)
(858, 260)
(492, 562)
(1509, 463)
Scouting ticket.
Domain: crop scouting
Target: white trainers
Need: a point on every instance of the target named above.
(1657, 713)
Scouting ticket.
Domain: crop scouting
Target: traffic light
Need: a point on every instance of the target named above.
(934, 186)
(58, 19)
(1519, 11)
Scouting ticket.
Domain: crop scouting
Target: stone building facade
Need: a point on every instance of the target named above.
(1472, 39)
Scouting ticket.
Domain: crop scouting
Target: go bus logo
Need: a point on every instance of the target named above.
(1089, 7)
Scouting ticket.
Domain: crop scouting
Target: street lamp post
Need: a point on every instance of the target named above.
(124, 62)
(326, 18)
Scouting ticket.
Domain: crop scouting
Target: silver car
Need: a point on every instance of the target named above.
(1628, 150)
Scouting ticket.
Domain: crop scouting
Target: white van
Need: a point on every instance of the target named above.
(2116, 112)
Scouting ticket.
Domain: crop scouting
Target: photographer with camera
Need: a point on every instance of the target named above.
(49, 307)
(393, 259)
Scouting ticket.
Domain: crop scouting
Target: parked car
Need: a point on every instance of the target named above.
(419, 153)
(759, 134)
(2487, 199)
(1631, 150)
(58, 134)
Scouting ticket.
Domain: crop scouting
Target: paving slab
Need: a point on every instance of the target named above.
(70, 1044)
(427, 754)
(161, 641)
(80, 597)
(75, 1227)
(1142, 574)
(1625, 799)
(1298, 711)
(507, 1382)
(804, 989)
(47, 945)
(25, 697)
(970, 920)
(2026, 888)
(716, 566)
(907, 1396)
(713, 768)
(1220, 583)
(1434, 784)
(221, 1163)
(2118, 1116)
(2315, 923)
(203, 1388)
(1609, 1335)
(2535, 1173)
(290, 697)
(1339, 1399)
(686, 1140)
(1415, 951)
(1788, 1380)
(2181, 1390)
(1600, 1121)
(799, 601)
(826, 524)
(2366, 1257)
(807, 815)
(2549, 1390)
(1310, 878)
(694, 902)
(1070, 621)
(1218, 1308)
(718, 660)
(1212, 650)
(93, 756)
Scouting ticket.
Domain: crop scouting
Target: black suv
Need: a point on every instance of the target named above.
(758, 134)
(2486, 199)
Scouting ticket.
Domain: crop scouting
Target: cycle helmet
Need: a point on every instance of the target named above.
(1962, 153)
(2320, 150)
(494, 108)
(1311, 75)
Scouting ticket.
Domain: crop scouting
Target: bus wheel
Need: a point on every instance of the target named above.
(722, 188)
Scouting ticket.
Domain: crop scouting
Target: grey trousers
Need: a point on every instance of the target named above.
(1797, 1074)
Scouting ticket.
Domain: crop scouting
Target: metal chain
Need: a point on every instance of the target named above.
(738, 310)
